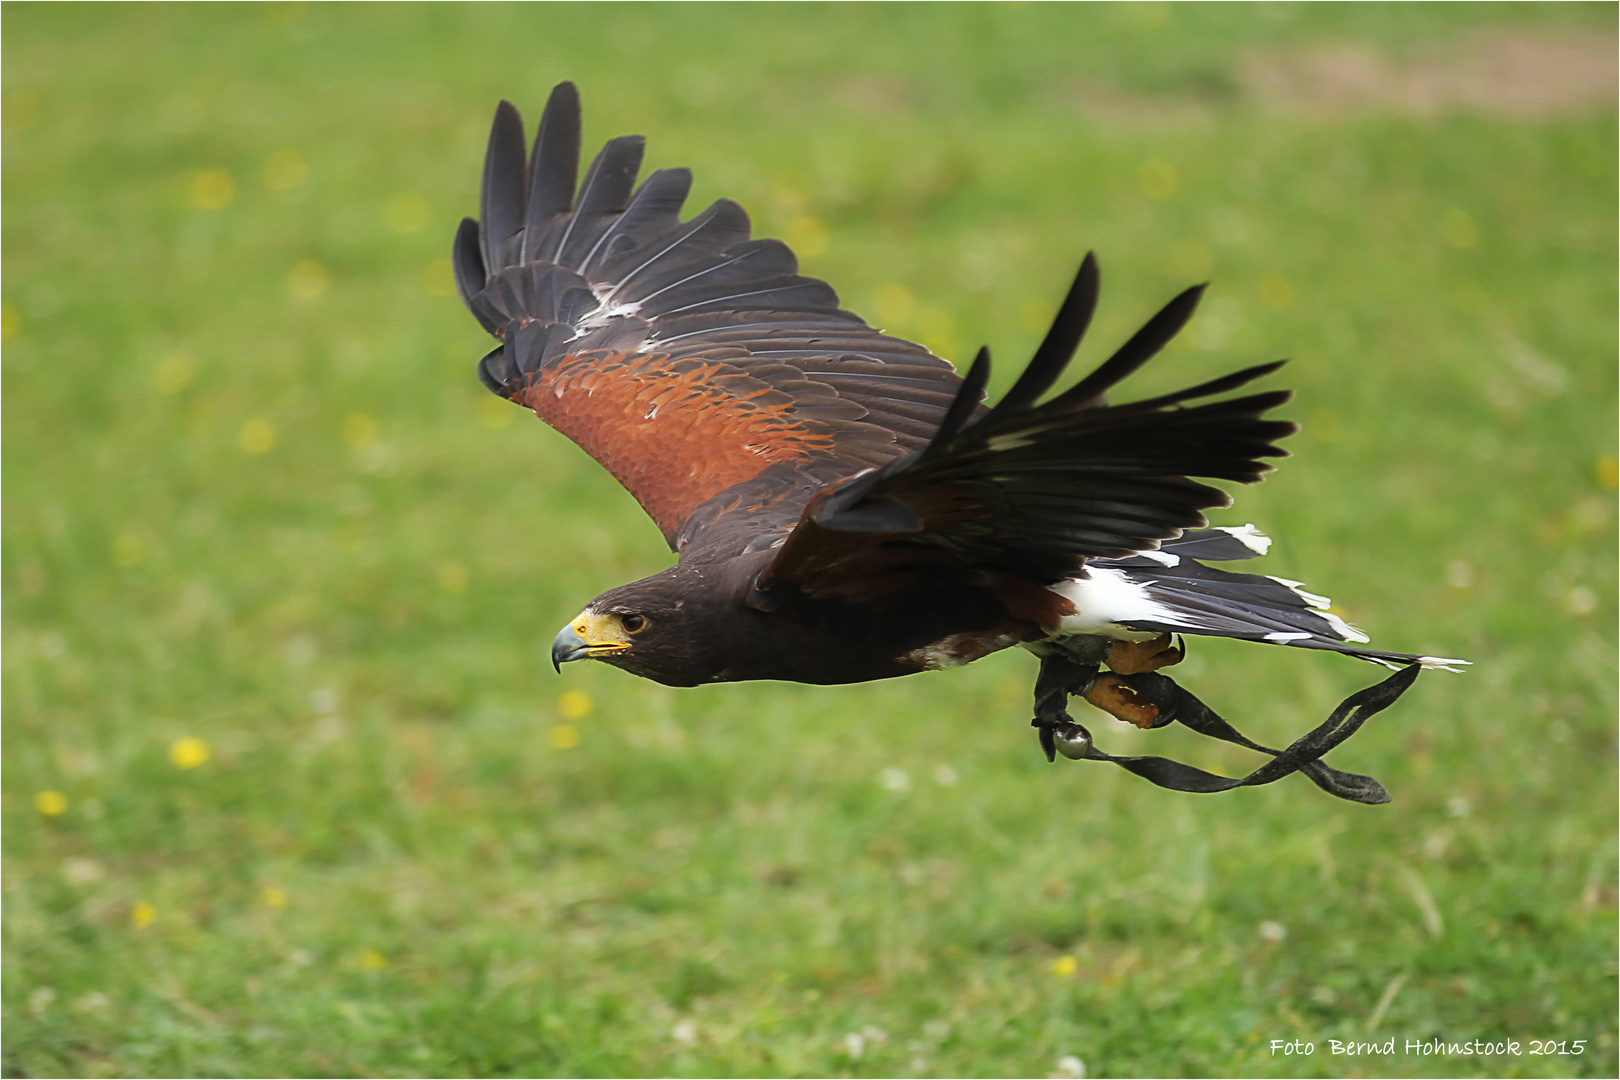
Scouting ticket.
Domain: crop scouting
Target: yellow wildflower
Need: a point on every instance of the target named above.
(188, 753)
(211, 189)
(257, 437)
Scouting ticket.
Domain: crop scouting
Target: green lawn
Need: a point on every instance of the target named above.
(255, 498)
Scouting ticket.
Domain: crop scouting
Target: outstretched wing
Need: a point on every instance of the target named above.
(1037, 489)
(685, 357)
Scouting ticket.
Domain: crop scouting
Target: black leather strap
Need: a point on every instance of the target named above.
(1303, 755)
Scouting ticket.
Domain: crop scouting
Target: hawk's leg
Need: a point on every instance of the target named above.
(1068, 667)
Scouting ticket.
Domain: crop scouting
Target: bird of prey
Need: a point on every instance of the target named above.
(841, 503)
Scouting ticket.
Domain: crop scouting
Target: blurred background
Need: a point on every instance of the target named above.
(290, 787)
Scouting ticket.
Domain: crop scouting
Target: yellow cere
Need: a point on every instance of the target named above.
(188, 753)
(51, 803)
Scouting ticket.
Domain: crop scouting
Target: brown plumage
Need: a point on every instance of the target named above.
(842, 504)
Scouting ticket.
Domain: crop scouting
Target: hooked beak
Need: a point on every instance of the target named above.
(587, 636)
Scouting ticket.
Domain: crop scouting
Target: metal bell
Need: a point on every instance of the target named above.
(1072, 741)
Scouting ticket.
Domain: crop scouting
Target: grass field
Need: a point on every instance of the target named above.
(290, 787)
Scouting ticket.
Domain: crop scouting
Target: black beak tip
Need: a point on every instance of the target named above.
(568, 646)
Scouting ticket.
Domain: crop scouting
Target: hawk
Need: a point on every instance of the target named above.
(842, 504)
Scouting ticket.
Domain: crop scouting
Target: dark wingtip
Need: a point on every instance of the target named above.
(553, 165)
(495, 371)
(968, 396)
(1069, 325)
(467, 261)
(501, 204)
(1142, 347)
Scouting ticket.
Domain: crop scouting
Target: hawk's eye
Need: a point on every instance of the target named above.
(634, 623)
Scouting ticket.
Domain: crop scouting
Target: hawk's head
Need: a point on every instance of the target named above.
(672, 628)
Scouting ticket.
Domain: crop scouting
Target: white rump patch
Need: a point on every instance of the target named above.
(1249, 536)
(1106, 598)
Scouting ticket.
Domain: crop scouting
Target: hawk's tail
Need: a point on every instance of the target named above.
(1168, 591)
